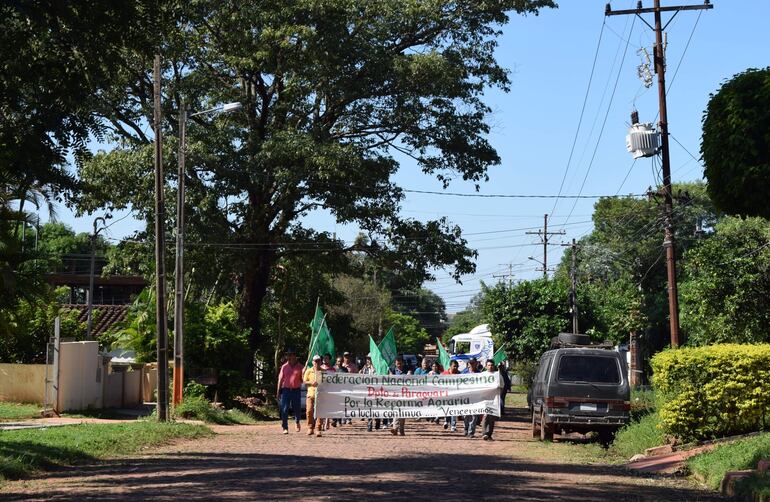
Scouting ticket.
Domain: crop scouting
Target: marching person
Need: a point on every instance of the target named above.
(424, 369)
(454, 369)
(368, 369)
(288, 392)
(506, 388)
(471, 421)
(488, 422)
(349, 363)
(398, 423)
(327, 366)
(311, 378)
(435, 369)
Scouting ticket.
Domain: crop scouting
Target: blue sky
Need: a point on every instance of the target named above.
(534, 126)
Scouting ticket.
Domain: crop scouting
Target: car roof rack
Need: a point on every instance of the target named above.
(577, 341)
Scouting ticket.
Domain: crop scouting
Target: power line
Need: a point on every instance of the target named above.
(582, 111)
(604, 122)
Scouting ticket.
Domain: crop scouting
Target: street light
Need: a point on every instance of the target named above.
(179, 268)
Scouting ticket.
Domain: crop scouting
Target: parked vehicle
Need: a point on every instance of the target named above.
(579, 387)
(477, 343)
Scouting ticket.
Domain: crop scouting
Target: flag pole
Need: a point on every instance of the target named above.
(314, 340)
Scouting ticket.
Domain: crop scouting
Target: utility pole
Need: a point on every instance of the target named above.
(573, 287)
(660, 69)
(160, 268)
(89, 308)
(509, 275)
(178, 380)
(544, 237)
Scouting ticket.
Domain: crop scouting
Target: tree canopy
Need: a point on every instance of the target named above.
(736, 144)
(333, 94)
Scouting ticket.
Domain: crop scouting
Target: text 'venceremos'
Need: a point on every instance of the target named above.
(342, 395)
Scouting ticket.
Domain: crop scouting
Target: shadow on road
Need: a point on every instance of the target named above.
(231, 476)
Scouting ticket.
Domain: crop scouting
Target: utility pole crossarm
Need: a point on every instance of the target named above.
(544, 237)
(651, 10)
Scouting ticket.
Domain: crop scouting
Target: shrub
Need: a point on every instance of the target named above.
(739, 455)
(713, 391)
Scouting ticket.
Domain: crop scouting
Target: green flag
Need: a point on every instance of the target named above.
(443, 355)
(388, 347)
(321, 341)
(499, 356)
(378, 362)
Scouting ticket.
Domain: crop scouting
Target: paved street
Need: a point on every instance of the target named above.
(258, 463)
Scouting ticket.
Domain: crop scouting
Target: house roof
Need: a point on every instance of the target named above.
(108, 319)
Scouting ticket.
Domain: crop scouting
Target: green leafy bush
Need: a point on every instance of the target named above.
(714, 391)
(739, 455)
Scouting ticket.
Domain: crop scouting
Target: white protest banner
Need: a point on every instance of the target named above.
(356, 395)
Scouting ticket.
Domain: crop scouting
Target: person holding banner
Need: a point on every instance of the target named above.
(471, 421)
(368, 369)
(311, 377)
(288, 392)
(488, 421)
(398, 423)
(454, 369)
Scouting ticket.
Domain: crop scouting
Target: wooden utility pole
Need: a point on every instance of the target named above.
(573, 287)
(660, 69)
(160, 255)
(544, 237)
(178, 380)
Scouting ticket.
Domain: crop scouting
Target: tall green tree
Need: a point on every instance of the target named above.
(726, 291)
(525, 316)
(56, 60)
(332, 91)
(736, 144)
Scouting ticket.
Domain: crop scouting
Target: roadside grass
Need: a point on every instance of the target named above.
(18, 411)
(745, 453)
(638, 436)
(516, 400)
(23, 452)
(199, 408)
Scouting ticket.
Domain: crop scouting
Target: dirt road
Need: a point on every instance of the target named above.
(348, 463)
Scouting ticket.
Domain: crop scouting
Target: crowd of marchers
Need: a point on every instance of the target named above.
(293, 374)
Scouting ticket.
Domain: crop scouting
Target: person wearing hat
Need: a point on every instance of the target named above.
(289, 393)
(311, 378)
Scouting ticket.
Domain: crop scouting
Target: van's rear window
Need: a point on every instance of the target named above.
(594, 369)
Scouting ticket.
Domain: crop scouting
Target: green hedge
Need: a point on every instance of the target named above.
(713, 391)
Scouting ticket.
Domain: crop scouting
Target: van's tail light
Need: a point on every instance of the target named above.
(620, 405)
(555, 402)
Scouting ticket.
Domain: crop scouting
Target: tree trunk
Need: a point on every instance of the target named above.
(256, 282)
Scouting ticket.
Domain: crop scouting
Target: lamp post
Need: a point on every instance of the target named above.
(90, 298)
(179, 267)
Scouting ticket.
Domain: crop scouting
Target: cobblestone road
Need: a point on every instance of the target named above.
(348, 463)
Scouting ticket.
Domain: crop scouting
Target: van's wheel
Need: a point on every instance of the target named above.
(546, 431)
(535, 430)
